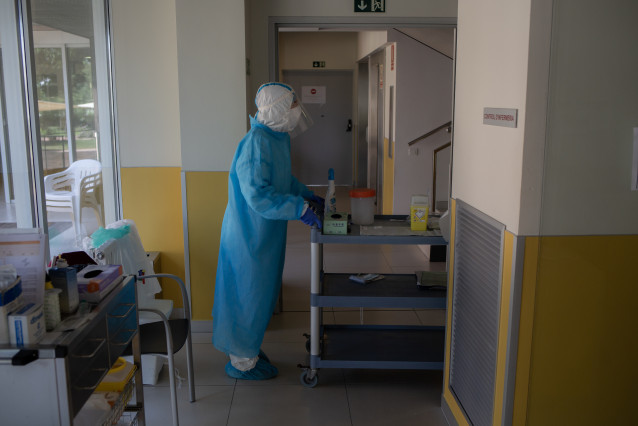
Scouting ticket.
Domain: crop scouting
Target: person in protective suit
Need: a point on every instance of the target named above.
(262, 196)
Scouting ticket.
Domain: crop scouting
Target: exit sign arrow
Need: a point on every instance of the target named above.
(375, 6)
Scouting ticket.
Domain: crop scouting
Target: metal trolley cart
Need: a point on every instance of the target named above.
(371, 346)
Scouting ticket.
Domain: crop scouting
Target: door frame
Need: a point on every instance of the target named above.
(357, 23)
(365, 23)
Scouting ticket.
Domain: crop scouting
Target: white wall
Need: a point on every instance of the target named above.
(146, 79)
(491, 71)
(369, 41)
(593, 107)
(212, 82)
(423, 103)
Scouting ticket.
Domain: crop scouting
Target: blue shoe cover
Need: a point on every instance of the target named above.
(263, 356)
(261, 371)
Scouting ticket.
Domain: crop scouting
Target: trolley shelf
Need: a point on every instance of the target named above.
(393, 291)
(400, 222)
(382, 346)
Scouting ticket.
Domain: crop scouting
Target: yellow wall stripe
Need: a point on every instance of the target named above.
(530, 266)
(584, 354)
(152, 198)
(503, 327)
(206, 199)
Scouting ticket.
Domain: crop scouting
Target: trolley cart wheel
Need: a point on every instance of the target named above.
(309, 379)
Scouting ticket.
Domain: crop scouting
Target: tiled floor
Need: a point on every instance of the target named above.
(343, 396)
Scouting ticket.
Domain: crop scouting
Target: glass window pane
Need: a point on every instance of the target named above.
(7, 211)
(74, 163)
(49, 77)
(11, 200)
(80, 69)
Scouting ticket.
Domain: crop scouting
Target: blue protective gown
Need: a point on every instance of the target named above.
(262, 196)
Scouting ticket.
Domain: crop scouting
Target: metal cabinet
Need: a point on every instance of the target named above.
(62, 371)
(371, 346)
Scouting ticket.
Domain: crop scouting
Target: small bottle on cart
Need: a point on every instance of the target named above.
(66, 279)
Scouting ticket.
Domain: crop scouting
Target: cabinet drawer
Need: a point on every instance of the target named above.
(87, 363)
(122, 335)
(121, 320)
(89, 353)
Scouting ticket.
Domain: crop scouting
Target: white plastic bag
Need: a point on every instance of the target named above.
(127, 250)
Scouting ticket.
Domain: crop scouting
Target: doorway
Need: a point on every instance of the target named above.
(386, 122)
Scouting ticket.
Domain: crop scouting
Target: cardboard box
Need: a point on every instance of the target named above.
(26, 325)
(335, 224)
(95, 281)
(10, 300)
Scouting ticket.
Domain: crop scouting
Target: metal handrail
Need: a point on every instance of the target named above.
(431, 132)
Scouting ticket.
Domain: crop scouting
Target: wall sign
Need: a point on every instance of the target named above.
(313, 94)
(392, 57)
(377, 6)
(504, 117)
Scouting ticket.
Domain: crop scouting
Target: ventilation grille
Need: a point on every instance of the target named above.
(475, 309)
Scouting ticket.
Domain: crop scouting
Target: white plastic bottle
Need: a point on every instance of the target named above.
(331, 201)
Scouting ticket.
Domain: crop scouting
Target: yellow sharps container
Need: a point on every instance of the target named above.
(419, 209)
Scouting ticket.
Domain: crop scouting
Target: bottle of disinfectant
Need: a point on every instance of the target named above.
(331, 201)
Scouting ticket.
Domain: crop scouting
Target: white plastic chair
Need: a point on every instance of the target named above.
(73, 189)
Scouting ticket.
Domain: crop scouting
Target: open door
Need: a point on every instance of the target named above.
(376, 77)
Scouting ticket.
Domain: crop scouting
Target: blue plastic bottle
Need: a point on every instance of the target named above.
(66, 279)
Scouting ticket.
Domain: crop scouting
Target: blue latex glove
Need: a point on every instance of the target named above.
(310, 218)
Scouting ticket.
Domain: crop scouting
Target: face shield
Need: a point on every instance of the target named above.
(304, 121)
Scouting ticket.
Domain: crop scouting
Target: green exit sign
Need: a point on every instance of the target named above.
(377, 6)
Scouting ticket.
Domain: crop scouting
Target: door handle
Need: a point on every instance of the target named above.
(349, 128)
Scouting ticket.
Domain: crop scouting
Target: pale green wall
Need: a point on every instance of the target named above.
(146, 82)
(593, 108)
(212, 86)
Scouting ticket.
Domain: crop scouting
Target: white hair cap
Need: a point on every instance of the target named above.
(273, 102)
